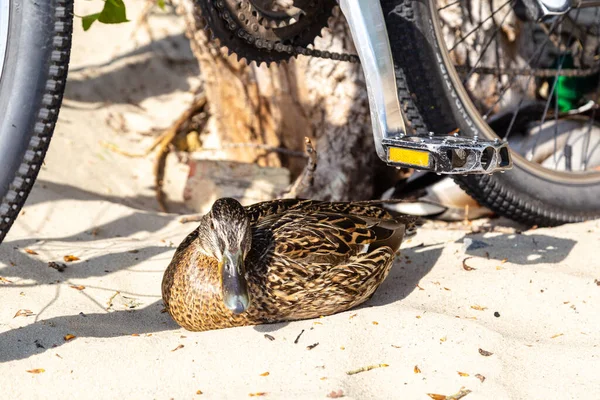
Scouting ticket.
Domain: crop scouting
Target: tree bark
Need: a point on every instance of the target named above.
(279, 105)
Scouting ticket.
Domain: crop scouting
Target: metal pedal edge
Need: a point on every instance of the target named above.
(448, 154)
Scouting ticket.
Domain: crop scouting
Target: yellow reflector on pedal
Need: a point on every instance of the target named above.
(418, 158)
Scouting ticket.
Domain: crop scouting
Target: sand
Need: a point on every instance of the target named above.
(524, 323)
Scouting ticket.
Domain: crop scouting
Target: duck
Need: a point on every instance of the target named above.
(281, 260)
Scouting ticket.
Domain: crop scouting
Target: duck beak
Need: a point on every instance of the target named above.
(233, 282)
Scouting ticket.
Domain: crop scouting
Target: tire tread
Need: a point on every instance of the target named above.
(47, 115)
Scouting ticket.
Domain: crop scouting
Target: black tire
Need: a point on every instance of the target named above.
(433, 101)
(31, 89)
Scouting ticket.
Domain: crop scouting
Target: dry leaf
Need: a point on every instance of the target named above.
(437, 396)
(396, 347)
(336, 394)
(456, 396)
(499, 268)
(375, 323)
(485, 353)
(79, 287)
(465, 266)
(462, 373)
(69, 337)
(4, 280)
(198, 391)
(70, 258)
(342, 348)
(446, 288)
(352, 316)
(478, 308)
(417, 370)
(36, 371)
(23, 313)
(324, 378)
(503, 261)
(135, 334)
(178, 347)
(418, 316)
(420, 288)
(265, 374)
(257, 394)
(480, 377)
(29, 251)
(443, 339)
(317, 323)
(557, 335)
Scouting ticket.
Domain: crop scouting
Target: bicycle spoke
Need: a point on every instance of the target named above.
(562, 60)
(463, 38)
(529, 61)
(499, 84)
(586, 142)
(485, 48)
(567, 162)
(533, 86)
(539, 54)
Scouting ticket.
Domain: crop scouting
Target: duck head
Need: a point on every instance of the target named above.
(225, 233)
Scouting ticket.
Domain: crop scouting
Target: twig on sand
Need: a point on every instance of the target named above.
(365, 369)
(298, 337)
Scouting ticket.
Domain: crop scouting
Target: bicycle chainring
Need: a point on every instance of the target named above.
(256, 31)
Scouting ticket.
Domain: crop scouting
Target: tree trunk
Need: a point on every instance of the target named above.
(322, 99)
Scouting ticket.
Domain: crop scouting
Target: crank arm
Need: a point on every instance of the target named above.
(443, 154)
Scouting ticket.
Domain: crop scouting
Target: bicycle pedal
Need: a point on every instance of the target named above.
(445, 154)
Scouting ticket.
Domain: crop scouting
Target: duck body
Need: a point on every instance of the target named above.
(307, 259)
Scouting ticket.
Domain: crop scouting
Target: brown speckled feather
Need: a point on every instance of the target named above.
(308, 258)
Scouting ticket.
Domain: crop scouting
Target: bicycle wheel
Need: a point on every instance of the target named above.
(481, 67)
(35, 42)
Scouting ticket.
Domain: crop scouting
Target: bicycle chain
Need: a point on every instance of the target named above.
(353, 58)
(270, 45)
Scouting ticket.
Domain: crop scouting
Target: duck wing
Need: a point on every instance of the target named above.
(310, 235)
(319, 235)
(317, 263)
(259, 211)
